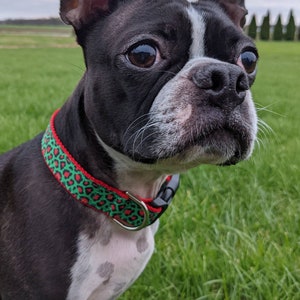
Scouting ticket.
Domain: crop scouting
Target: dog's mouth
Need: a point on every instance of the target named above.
(227, 145)
(220, 146)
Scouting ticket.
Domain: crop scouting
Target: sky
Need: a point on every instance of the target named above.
(29, 9)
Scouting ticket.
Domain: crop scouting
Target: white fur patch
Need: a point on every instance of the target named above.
(106, 271)
(198, 30)
(192, 1)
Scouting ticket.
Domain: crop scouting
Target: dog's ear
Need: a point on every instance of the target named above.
(236, 10)
(82, 12)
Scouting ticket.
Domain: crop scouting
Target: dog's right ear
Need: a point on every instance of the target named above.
(79, 13)
(236, 10)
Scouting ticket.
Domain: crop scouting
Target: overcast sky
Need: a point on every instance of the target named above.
(49, 8)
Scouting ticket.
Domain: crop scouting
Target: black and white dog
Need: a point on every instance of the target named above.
(166, 88)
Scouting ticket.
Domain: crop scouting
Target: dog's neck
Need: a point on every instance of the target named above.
(143, 180)
(103, 162)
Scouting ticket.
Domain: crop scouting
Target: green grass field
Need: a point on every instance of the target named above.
(231, 233)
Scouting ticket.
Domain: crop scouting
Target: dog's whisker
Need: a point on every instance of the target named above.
(264, 127)
(261, 108)
(259, 142)
(145, 138)
(137, 122)
(140, 134)
(264, 132)
(136, 134)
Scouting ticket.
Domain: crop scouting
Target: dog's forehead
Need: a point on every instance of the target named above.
(141, 12)
(195, 12)
(144, 15)
(166, 10)
(133, 19)
(196, 24)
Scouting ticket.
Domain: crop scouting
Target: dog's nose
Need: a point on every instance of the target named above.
(224, 84)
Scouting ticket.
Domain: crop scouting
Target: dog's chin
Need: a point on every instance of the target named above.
(221, 147)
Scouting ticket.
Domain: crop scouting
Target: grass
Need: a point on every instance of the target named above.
(231, 233)
(33, 82)
(14, 37)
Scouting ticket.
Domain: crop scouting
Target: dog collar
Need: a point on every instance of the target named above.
(130, 212)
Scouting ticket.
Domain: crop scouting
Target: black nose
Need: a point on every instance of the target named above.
(224, 84)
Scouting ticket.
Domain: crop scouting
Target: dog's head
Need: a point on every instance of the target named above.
(167, 82)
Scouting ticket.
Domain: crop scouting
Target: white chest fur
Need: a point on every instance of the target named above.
(109, 262)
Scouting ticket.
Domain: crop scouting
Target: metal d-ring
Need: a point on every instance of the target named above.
(144, 208)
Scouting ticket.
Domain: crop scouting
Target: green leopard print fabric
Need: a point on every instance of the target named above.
(87, 190)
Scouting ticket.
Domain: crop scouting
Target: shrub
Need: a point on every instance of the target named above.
(252, 30)
(290, 28)
(278, 30)
(265, 28)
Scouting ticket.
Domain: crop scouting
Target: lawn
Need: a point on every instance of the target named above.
(232, 232)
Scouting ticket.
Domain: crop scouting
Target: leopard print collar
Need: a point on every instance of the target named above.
(128, 211)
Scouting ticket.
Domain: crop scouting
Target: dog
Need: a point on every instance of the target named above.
(166, 88)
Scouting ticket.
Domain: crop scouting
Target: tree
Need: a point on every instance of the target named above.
(290, 28)
(252, 30)
(299, 33)
(278, 30)
(265, 28)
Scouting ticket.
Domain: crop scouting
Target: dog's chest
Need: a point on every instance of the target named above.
(109, 262)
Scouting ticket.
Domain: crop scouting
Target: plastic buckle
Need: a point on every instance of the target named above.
(166, 194)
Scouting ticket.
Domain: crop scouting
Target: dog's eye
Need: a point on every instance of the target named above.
(248, 60)
(142, 55)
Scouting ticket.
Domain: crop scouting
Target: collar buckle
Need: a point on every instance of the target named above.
(166, 193)
(163, 200)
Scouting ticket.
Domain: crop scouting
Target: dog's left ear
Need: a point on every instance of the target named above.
(79, 13)
(236, 10)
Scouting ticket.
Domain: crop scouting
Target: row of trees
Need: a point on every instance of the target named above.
(33, 22)
(277, 32)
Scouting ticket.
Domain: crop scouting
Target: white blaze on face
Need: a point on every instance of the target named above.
(171, 108)
(192, 1)
(198, 30)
